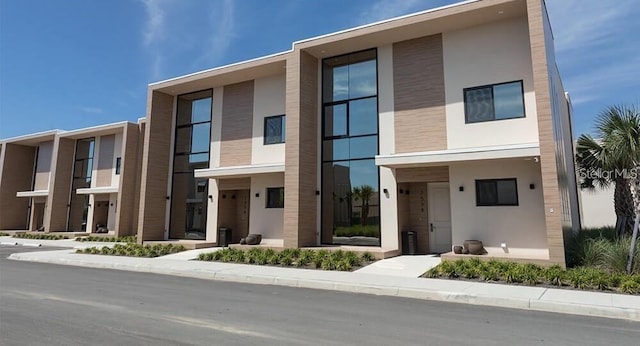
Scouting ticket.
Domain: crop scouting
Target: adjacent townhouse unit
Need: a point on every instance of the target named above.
(82, 181)
(452, 123)
(25, 173)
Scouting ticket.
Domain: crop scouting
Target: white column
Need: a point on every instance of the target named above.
(389, 200)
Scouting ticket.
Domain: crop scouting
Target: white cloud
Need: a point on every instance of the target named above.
(597, 49)
(155, 23)
(221, 33)
(92, 110)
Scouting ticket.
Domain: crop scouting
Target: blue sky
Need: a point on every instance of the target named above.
(75, 63)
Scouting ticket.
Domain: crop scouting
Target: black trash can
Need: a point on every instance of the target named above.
(224, 236)
(409, 242)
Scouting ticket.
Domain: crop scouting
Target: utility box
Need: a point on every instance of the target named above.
(409, 242)
(224, 236)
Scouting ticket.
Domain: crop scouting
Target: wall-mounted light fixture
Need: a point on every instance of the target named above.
(461, 188)
(406, 192)
(317, 192)
(532, 186)
(224, 196)
(401, 191)
(257, 194)
(211, 197)
(168, 198)
(386, 191)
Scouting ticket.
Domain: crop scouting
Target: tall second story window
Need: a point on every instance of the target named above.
(494, 102)
(274, 129)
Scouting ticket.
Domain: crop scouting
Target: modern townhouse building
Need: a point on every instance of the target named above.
(25, 173)
(82, 181)
(452, 123)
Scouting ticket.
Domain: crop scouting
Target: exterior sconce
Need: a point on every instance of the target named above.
(461, 188)
(317, 192)
(406, 192)
(401, 191)
(385, 191)
(224, 196)
(257, 194)
(532, 186)
(211, 197)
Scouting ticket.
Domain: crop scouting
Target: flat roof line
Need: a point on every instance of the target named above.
(315, 38)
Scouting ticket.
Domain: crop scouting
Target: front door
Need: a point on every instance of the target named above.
(439, 217)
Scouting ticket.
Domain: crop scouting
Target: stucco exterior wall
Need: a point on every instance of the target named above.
(597, 208)
(268, 100)
(520, 227)
(481, 55)
(266, 221)
(43, 166)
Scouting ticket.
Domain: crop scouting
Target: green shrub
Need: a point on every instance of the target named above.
(630, 286)
(3, 234)
(135, 250)
(368, 256)
(555, 275)
(123, 239)
(40, 236)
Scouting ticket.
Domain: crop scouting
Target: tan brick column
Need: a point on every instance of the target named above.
(301, 165)
(57, 210)
(16, 175)
(541, 46)
(155, 167)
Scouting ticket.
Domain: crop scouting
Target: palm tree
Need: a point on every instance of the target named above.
(613, 158)
(363, 193)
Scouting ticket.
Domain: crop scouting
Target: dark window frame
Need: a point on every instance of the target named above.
(264, 132)
(118, 165)
(493, 107)
(275, 190)
(497, 202)
(324, 104)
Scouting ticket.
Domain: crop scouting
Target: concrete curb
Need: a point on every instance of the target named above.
(535, 304)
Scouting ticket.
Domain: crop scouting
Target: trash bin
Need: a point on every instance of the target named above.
(409, 242)
(224, 236)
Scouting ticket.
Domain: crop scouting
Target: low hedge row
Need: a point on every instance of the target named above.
(134, 250)
(43, 236)
(301, 258)
(2, 234)
(123, 239)
(531, 274)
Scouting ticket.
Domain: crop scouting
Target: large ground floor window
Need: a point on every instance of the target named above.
(351, 203)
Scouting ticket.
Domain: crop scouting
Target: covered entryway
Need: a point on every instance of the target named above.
(422, 198)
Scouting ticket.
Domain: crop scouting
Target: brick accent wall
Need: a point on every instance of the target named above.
(301, 167)
(237, 120)
(60, 185)
(155, 167)
(419, 99)
(16, 175)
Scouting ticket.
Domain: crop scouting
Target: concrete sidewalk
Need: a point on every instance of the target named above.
(64, 243)
(508, 296)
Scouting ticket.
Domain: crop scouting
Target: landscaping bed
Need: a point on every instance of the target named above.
(583, 278)
(298, 258)
(2, 234)
(124, 239)
(134, 250)
(43, 236)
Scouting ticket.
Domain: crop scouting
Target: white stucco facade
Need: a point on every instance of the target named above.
(268, 100)
(481, 55)
(519, 227)
(262, 220)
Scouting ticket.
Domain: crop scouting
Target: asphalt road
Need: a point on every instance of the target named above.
(45, 304)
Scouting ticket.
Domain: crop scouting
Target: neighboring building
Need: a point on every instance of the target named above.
(454, 121)
(72, 181)
(25, 173)
(597, 208)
